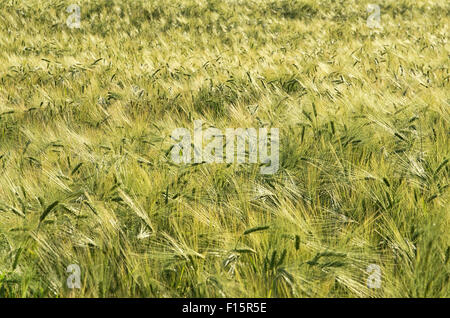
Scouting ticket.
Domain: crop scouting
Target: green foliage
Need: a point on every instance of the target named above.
(86, 177)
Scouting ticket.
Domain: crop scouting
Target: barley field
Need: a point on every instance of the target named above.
(91, 204)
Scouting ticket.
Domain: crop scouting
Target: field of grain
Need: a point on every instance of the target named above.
(359, 206)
